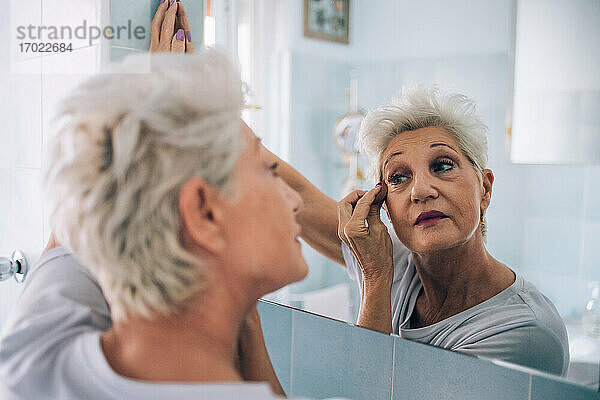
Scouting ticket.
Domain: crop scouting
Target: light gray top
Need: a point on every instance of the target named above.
(50, 345)
(518, 325)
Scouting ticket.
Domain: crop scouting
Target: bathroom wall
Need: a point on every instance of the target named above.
(32, 84)
(319, 357)
(543, 222)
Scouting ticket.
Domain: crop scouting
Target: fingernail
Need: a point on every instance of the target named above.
(180, 35)
(162, 1)
(189, 36)
(171, 3)
(378, 184)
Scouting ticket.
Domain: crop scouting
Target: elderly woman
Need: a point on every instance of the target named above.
(437, 284)
(168, 201)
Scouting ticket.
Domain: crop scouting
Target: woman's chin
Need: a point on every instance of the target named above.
(302, 270)
(431, 243)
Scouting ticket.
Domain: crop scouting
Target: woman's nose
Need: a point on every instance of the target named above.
(422, 189)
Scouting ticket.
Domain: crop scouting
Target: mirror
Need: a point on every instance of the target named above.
(556, 99)
(544, 220)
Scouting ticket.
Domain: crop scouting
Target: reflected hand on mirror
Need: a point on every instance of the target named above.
(170, 29)
(370, 242)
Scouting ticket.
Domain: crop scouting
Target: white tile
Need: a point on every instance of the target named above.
(23, 13)
(20, 112)
(21, 225)
(61, 74)
(73, 14)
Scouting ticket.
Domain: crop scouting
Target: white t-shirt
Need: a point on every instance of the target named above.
(518, 325)
(50, 345)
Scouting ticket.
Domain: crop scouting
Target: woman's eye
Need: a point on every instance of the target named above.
(273, 168)
(396, 179)
(443, 165)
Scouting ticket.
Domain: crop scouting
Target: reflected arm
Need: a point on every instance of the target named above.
(318, 217)
(253, 360)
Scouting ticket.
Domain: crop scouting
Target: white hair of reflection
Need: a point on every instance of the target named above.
(418, 107)
(116, 166)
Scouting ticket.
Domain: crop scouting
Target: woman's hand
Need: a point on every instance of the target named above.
(371, 244)
(52, 243)
(170, 29)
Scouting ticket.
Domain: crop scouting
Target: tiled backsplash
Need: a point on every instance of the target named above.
(319, 357)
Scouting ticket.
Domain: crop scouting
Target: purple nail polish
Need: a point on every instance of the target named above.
(188, 34)
(171, 3)
(180, 35)
(162, 1)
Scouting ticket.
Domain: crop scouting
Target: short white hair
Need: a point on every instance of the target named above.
(417, 107)
(115, 169)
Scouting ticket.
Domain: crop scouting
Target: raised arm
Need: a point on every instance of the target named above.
(318, 217)
(253, 360)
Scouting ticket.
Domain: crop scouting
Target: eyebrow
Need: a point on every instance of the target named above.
(431, 147)
(442, 144)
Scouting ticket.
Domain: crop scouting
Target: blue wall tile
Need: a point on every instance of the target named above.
(567, 291)
(331, 358)
(427, 372)
(545, 388)
(118, 54)
(324, 358)
(592, 211)
(139, 13)
(555, 191)
(590, 268)
(552, 244)
(276, 322)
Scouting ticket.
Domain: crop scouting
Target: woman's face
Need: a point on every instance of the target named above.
(263, 230)
(435, 196)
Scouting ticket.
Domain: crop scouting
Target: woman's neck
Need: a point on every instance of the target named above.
(457, 279)
(198, 346)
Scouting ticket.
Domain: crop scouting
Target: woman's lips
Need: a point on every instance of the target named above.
(429, 218)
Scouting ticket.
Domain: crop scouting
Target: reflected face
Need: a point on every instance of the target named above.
(434, 194)
(263, 230)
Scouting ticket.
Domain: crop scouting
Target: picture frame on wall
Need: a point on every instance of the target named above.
(327, 20)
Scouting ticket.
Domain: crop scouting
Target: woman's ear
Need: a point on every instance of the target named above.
(201, 216)
(487, 181)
